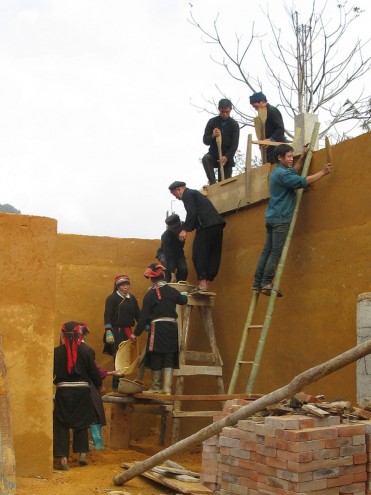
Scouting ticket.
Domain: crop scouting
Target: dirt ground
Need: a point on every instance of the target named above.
(96, 478)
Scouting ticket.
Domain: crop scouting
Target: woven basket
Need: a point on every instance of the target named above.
(181, 286)
(129, 387)
(127, 357)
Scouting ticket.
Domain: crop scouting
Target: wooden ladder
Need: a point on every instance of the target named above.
(264, 327)
(208, 363)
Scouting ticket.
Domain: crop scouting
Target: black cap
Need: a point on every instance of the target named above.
(177, 183)
(173, 220)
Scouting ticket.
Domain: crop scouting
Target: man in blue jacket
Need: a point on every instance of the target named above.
(223, 125)
(284, 180)
(207, 245)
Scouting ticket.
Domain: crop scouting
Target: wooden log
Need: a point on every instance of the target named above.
(296, 385)
(7, 457)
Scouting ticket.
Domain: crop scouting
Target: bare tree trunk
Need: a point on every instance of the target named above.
(295, 386)
(7, 459)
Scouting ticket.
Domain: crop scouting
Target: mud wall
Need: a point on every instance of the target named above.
(47, 279)
(86, 268)
(27, 304)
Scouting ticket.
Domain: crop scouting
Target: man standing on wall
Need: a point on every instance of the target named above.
(207, 245)
(274, 126)
(223, 125)
(284, 180)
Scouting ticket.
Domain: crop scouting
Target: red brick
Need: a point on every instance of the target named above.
(247, 445)
(210, 463)
(353, 488)
(266, 451)
(360, 459)
(240, 453)
(338, 442)
(326, 453)
(276, 443)
(359, 439)
(295, 477)
(340, 481)
(311, 486)
(248, 464)
(306, 446)
(211, 441)
(228, 459)
(277, 463)
(353, 450)
(359, 477)
(298, 436)
(265, 470)
(328, 421)
(328, 472)
(249, 483)
(288, 422)
(246, 425)
(230, 432)
(265, 430)
(306, 422)
(349, 430)
(295, 456)
(209, 470)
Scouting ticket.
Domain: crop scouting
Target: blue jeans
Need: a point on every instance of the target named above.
(276, 234)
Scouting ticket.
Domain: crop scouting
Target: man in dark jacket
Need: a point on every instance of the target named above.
(172, 249)
(223, 125)
(207, 245)
(274, 126)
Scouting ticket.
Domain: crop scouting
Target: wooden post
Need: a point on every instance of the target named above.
(296, 385)
(7, 458)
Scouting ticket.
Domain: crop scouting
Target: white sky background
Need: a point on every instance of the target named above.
(95, 105)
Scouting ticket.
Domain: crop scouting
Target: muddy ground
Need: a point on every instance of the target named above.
(96, 478)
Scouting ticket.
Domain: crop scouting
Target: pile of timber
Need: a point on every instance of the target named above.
(315, 405)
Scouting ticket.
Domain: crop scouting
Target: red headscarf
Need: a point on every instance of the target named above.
(73, 335)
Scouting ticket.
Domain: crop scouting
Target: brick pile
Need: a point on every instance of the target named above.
(291, 454)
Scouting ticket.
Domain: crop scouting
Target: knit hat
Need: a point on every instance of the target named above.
(176, 184)
(121, 279)
(257, 97)
(155, 270)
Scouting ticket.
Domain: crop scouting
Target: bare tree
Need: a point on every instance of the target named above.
(312, 71)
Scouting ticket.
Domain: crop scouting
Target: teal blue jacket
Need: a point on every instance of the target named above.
(283, 182)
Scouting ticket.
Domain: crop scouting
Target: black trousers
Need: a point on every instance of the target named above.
(207, 251)
(61, 440)
(210, 163)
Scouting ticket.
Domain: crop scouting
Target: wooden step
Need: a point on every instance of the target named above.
(190, 370)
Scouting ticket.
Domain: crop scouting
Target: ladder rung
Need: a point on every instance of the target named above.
(255, 326)
(245, 362)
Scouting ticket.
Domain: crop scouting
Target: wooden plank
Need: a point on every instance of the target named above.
(202, 397)
(190, 369)
(205, 357)
(196, 414)
(177, 485)
(266, 142)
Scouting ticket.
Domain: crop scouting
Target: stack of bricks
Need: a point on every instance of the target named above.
(291, 454)
(368, 450)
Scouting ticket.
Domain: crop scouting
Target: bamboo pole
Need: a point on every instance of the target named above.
(7, 458)
(296, 385)
(281, 265)
(243, 343)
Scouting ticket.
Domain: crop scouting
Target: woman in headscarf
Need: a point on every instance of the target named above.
(159, 312)
(74, 370)
(120, 314)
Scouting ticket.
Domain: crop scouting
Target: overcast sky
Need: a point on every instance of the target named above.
(96, 114)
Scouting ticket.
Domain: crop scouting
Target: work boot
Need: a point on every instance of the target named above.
(168, 380)
(156, 383)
